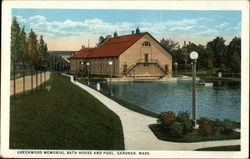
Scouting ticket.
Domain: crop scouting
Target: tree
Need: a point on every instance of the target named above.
(15, 39)
(100, 41)
(15, 47)
(202, 60)
(234, 54)
(42, 51)
(23, 53)
(168, 44)
(217, 48)
(32, 51)
(32, 48)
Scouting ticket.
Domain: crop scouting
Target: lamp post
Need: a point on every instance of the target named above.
(176, 65)
(88, 71)
(194, 56)
(110, 84)
(82, 67)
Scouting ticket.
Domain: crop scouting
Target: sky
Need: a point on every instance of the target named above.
(69, 29)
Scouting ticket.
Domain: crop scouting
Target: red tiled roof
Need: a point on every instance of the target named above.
(111, 48)
(83, 53)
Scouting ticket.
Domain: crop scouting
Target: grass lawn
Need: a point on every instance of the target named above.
(125, 103)
(66, 117)
(134, 107)
(191, 137)
(221, 148)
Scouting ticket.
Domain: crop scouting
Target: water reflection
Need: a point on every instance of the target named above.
(220, 101)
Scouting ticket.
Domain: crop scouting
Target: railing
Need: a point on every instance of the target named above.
(144, 61)
(150, 61)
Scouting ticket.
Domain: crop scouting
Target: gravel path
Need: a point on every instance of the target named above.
(138, 136)
(19, 83)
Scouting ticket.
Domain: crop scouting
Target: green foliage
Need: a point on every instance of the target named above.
(215, 54)
(234, 54)
(23, 45)
(168, 44)
(205, 128)
(15, 39)
(176, 129)
(186, 122)
(32, 48)
(217, 125)
(166, 119)
(217, 49)
(227, 126)
(43, 55)
(176, 126)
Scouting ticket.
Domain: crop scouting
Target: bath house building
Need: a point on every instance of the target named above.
(134, 55)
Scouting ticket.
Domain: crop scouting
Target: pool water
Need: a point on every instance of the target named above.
(221, 101)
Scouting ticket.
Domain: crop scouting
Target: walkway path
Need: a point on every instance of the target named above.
(138, 136)
(19, 82)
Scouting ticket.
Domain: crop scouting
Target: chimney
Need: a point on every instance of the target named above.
(115, 34)
(137, 31)
(184, 43)
(83, 46)
(189, 42)
(133, 32)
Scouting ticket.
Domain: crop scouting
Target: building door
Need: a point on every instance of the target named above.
(166, 69)
(125, 68)
(146, 58)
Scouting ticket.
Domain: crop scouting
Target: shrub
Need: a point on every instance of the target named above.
(167, 118)
(186, 122)
(205, 128)
(176, 129)
(227, 126)
(216, 125)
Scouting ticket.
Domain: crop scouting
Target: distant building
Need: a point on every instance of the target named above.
(134, 55)
(64, 54)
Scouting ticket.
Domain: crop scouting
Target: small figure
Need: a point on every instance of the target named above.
(74, 78)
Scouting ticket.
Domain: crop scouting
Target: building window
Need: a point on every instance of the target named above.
(146, 58)
(146, 43)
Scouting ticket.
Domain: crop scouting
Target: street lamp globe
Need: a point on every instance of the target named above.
(110, 63)
(87, 63)
(82, 66)
(176, 64)
(194, 55)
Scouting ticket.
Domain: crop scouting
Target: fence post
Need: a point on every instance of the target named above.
(31, 69)
(14, 75)
(23, 77)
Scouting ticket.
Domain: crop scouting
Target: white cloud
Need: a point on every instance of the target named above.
(37, 18)
(72, 34)
(221, 26)
(21, 19)
(208, 31)
(186, 28)
(237, 27)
